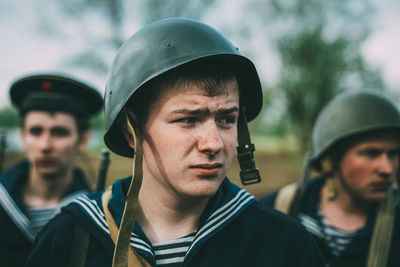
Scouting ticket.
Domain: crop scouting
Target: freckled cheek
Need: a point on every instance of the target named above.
(230, 141)
(231, 145)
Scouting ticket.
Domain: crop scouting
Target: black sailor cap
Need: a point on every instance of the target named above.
(55, 93)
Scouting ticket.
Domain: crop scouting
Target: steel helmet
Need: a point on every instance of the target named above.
(350, 114)
(160, 47)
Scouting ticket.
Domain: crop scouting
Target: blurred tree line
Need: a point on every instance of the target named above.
(317, 43)
(319, 47)
(8, 118)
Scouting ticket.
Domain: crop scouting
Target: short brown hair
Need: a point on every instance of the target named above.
(212, 76)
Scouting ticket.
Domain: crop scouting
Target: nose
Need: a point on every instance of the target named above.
(387, 166)
(45, 143)
(210, 142)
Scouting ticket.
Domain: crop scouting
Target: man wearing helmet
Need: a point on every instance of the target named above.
(172, 103)
(351, 208)
(54, 111)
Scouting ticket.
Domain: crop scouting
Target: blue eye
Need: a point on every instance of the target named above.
(227, 122)
(230, 119)
(188, 120)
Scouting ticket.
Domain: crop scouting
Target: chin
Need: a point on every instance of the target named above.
(49, 174)
(377, 197)
(203, 190)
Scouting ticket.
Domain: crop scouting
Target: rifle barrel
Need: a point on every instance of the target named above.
(103, 168)
(3, 145)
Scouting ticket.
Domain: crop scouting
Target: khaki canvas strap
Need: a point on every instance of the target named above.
(382, 236)
(124, 255)
(133, 258)
(285, 197)
(79, 247)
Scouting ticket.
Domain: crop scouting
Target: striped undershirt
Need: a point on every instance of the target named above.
(334, 238)
(38, 217)
(172, 253)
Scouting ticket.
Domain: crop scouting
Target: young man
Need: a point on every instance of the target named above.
(177, 94)
(54, 112)
(351, 208)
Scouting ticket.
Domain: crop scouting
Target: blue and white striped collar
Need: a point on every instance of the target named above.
(11, 184)
(14, 177)
(229, 202)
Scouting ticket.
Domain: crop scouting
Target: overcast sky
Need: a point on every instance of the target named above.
(23, 49)
(382, 49)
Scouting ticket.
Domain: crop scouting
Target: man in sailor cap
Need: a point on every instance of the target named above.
(54, 111)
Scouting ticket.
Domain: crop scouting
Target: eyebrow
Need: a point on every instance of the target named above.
(205, 111)
(380, 149)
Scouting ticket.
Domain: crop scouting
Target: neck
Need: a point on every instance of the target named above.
(45, 191)
(345, 212)
(164, 216)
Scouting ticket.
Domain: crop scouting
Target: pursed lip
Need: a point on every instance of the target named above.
(207, 169)
(382, 186)
(207, 165)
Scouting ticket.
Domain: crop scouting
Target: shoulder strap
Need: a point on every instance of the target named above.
(285, 197)
(112, 227)
(79, 247)
(134, 259)
(15, 214)
(382, 236)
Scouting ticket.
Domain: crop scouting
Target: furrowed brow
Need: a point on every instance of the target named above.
(228, 110)
(192, 112)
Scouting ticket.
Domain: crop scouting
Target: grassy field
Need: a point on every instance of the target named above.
(276, 169)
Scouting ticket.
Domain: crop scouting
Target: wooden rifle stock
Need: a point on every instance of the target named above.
(103, 168)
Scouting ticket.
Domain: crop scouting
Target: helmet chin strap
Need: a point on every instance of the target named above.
(249, 174)
(122, 244)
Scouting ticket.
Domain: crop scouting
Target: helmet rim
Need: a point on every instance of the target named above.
(181, 50)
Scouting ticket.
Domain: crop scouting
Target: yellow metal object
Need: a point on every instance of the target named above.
(327, 170)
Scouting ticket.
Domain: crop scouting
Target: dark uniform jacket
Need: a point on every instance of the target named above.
(233, 231)
(16, 235)
(356, 253)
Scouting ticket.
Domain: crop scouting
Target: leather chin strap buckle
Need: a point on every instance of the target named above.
(249, 174)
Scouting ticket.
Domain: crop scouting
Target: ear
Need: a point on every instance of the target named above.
(83, 142)
(128, 136)
(129, 139)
